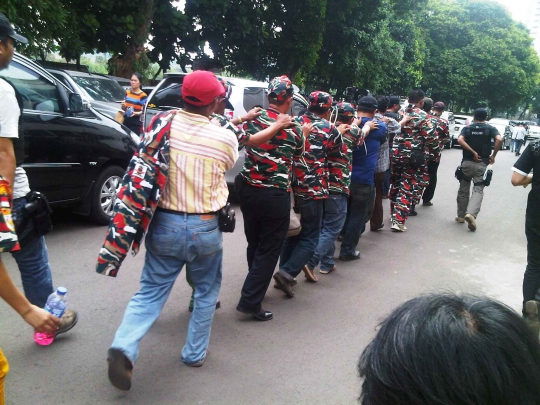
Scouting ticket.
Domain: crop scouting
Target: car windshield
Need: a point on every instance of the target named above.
(101, 88)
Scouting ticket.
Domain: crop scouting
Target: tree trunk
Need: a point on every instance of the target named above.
(135, 50)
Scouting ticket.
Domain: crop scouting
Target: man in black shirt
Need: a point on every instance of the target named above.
(524, 168)
(475, 140)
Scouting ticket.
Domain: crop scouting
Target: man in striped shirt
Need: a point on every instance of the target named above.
(184, 229)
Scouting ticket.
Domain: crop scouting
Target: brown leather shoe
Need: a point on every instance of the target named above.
(310, 275)
(68, 321)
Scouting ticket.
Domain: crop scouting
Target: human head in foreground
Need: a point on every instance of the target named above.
(447, 349)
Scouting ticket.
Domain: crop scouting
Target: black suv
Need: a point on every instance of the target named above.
(74, 155)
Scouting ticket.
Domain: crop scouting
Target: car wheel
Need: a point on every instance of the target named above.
(104, 195)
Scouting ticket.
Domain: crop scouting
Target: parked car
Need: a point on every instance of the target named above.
(103, 93)
(73, 154)
(245, 95)
(460, 121)
(504, 128)
(534, 132)
(449, 116)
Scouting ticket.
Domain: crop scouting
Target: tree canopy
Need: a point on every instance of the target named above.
(465, 53)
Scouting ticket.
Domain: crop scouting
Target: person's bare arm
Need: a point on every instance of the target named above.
(519, 179)
(7, 160)
(497, 147)
(465, 145)
(250, 116)
(38, 318)
(283, 121)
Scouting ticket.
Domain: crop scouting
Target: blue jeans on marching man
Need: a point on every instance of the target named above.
(335, 213)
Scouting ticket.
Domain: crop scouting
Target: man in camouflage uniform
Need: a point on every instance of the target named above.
(433, 165)
(423, 178)
(339, 160)
(417, 139)
(310, 190)
(264, 192)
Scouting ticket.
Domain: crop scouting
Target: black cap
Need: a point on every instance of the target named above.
(6, 30)
(367, 103)
(480, 114)
(393, 100)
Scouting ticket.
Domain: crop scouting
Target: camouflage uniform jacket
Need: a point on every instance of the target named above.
(139, 194)
(339, 158)
(270, 164)
(225, 122)
(443, 134)
(419, 133)
(311, 170)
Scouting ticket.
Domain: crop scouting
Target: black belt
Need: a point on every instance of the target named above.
(184, 213)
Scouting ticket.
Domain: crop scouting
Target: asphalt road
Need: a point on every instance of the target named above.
(308, 353)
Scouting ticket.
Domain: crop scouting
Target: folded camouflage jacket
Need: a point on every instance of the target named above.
(139, 194)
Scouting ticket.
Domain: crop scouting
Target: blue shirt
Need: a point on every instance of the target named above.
(365, 156)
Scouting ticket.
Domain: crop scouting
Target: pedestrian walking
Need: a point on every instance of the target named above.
(339, 159)
(33, 257)
(310, 186)
(524, 169)
(264, 189)
(184, 158)
(434, 162)
(133, 103)
(410, 154)
(362, 194)
(475, 139)
(518, 139)
(35, 316)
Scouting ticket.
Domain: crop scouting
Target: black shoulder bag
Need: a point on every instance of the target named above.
(226, 219)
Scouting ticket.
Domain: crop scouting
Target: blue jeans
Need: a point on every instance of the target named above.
(32, 260)
(335, 212)
(297, 250)
(172, 241)
(519, 144)
(512, 145)
(362, 201)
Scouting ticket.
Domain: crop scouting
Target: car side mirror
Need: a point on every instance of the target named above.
(75, 103)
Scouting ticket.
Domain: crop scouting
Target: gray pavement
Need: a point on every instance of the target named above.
(308, 353)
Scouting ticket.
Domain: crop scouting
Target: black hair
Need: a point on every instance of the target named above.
(382, 103)
(480, 114)
(428, 103)
(447, 349)
(139, 76)
(345, 119)
(317, 109)
(415, 96)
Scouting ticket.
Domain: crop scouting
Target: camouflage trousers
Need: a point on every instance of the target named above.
(404, 187)
(423, 182)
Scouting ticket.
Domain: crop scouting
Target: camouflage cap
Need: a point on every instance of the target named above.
(345, 110)
(320, 99)
(280, 88)
(226, 85)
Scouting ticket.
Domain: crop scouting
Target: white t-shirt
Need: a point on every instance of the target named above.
(518, 133)
(9, 128)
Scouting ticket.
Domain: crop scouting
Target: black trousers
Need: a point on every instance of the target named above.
(266, 212)
(531, 279)
(430, 189)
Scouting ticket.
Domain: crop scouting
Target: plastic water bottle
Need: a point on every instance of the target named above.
(56, 305)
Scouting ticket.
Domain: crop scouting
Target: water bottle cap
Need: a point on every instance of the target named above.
(61, 290)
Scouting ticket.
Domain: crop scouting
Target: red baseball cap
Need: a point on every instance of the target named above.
(201, 87)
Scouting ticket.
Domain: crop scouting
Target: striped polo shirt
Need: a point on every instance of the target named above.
(200, 153)
(135, 100)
